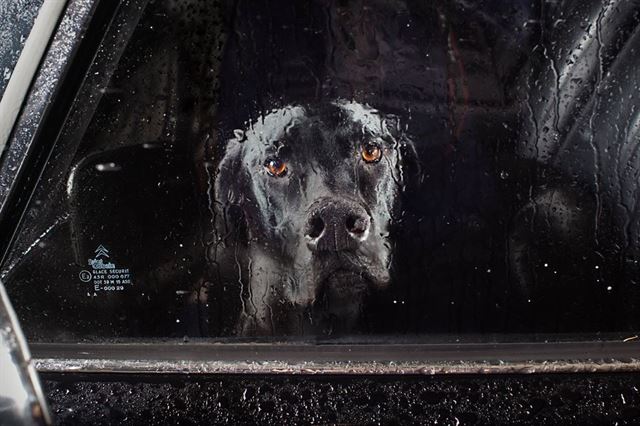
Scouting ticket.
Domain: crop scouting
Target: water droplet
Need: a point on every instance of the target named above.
(108, 167)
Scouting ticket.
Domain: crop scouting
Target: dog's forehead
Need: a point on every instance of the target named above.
(367, 118)
(274, 128)
(275, 125)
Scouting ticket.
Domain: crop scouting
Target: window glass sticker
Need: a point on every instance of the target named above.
(103, 274)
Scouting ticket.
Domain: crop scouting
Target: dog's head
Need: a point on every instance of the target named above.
(316, 189)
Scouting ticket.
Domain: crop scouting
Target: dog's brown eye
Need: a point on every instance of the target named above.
(371, 153)
(275, 167)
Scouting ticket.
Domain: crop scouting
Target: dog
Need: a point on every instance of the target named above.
(307, 197)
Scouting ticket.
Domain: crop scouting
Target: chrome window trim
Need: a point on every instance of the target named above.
(20, 390)
(352, 359)
(27, 65)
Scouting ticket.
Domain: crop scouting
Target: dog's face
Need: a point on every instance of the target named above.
(318, 188)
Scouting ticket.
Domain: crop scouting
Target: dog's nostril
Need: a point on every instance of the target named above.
(316, 226)
(356, 225)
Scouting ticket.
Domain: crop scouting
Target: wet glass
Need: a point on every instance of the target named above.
(352, 170)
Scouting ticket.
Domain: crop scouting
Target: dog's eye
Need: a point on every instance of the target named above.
(371, 153)
(275, 167)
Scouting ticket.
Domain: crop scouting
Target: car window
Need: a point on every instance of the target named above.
(353, 170)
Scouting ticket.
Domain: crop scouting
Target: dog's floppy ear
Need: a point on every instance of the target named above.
(409, 164)
(231, 188)
(230, 174)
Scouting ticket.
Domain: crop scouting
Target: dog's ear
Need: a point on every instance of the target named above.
(229, 174)
(409, 164)
(231, 189)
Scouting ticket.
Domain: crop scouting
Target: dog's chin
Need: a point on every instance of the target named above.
(340, 300)
(345, 282)
(349, 284)
(344, 279)
(349, 271)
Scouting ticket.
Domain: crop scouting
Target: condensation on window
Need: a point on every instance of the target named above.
(391, 169)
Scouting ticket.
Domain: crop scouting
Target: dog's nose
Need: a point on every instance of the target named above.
(336, 225)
